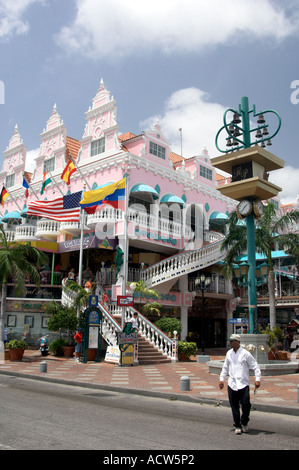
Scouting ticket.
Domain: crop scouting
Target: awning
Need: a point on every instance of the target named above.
(24, 212)
(144, 188)
(218, 216)
(171, 198)
(15, 215)
(261, 256)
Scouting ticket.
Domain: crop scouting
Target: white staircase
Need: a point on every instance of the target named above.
(170, 269)
(162, 274)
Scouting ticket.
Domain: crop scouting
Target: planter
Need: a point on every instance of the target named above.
(16, 354)
(91, 354)
(68, 351)
(272, 354)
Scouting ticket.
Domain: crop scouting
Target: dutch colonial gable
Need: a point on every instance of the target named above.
(100, 138)
(14, 160)
(52, 149)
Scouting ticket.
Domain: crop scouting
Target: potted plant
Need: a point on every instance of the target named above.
(186, 349)
(16, 349)
(274, 336)
(56, 347)
(64, 318)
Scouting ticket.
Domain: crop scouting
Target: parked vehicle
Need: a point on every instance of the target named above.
(44, 349)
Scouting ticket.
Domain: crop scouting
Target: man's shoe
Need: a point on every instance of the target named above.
(244, 428)
(238, 431)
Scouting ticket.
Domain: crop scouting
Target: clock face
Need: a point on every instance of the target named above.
(245, 208)
(259, 208)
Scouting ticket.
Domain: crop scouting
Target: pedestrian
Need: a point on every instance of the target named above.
(105, 300)
(88, 285)
(78, 345)
(237, 363)
(134, 322)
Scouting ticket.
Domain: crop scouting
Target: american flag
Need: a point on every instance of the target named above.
(63, 209)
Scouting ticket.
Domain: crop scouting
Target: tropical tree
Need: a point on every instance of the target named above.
(149, 307)
(17, 261)
(272, 229)
(81, 299)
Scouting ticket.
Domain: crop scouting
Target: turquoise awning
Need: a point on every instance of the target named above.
(144, 188)
(15, 215)
(218, 216)
(172, 199)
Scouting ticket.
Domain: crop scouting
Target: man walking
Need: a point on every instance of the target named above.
(237, 363)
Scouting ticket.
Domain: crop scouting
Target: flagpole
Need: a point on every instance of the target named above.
(14, 201)
(71, 158)
(126, 249)
(52, 178)
(31, 187)
(82, 217)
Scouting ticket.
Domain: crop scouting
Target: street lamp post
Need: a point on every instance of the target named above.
(249, 183)
(202, 283)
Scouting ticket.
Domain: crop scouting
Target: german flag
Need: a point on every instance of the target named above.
(68, 171)
(3, 196)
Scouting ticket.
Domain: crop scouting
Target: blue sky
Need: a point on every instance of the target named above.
(181, 61)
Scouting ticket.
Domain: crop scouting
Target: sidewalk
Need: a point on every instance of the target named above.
(276, 394)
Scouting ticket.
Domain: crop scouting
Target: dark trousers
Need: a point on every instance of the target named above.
(239, 398)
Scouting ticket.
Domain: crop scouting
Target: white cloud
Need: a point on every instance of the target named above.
(11, 17)
(191, 110)
(117, 28)
(288, 179)
(200, 119)
(30, 160)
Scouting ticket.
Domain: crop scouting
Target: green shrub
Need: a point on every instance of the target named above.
(16, 344)
(186, 348)
(169, 325)
(56, 346)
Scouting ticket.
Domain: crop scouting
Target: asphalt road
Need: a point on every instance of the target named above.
(37, 415)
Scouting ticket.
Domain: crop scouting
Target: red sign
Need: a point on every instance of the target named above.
(125, 300)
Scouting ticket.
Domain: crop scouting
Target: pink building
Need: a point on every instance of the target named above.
(174, 224)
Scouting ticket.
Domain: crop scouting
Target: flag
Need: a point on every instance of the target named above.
(113, 194)
(46, 181)
(68, 171)
(3, 196)
(26, 186)
(63, 209)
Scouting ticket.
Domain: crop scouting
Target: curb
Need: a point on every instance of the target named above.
(153, 394)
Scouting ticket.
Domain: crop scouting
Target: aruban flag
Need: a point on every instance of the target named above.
(63, 209)
(46, 181)
(67, 172)
(113, 194)
(26, 186)
(3, 196)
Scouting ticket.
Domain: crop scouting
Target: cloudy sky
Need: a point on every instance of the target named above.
(181, 61)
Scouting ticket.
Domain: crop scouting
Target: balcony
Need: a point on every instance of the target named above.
(72, 228)
(25, 233)
(104, 216)
(48, 229)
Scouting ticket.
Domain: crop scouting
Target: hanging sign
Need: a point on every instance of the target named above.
(125, 300)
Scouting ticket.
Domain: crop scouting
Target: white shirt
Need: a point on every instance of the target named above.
(237, 365)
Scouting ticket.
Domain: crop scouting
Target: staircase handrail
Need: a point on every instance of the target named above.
(162, 266)
(154, 335)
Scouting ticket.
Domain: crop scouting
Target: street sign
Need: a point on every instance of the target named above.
(93, 300)
(125, 300)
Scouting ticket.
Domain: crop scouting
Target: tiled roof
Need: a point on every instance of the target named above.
(175, 157)
(126, 136)
(72, 148)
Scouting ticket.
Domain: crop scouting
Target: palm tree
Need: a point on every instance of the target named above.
(82, 297)
(17, 261)
(271, 229)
